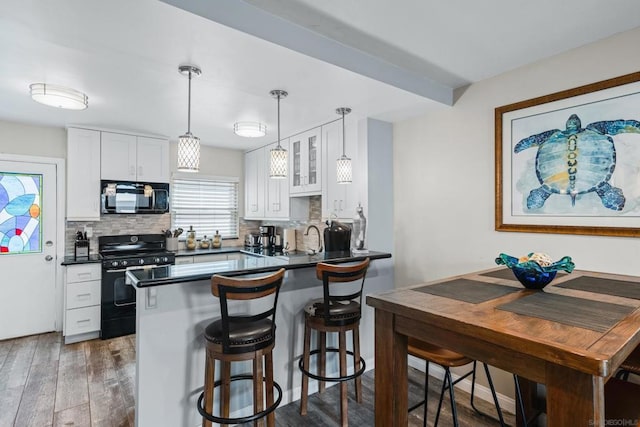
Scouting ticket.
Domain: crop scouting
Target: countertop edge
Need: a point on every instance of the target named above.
(170, 281)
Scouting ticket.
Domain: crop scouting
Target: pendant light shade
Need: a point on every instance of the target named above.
(278, 156)
(343, 165)
(58, 96)
(189, 145)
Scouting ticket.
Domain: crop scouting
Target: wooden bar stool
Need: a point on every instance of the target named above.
(240, 337)
(449, 359)
(335, 312)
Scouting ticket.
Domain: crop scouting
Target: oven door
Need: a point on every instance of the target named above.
(118, 314)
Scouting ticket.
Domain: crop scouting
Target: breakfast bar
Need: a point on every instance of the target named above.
(175, 304)
(571, 336)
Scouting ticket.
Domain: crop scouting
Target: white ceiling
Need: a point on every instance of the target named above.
(125, 54)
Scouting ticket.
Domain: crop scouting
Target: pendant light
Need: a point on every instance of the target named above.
(189, 145)
(278, 155)
(343, 164)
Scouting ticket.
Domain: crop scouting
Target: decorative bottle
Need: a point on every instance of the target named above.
(359, 230)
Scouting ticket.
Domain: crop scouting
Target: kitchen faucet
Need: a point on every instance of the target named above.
(306, 233)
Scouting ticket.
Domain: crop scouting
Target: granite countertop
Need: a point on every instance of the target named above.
(71, 260)
(247, 264)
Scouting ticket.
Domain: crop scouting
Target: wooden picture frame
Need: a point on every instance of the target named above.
(554, 177)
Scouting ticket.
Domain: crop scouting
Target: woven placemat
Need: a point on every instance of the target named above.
(506, 273)
(583, 313)
(598, 285)
(467, 290)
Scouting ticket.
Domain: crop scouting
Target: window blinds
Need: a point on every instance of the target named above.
(208, 205)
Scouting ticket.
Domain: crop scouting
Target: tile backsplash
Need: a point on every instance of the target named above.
(136, 224)
(150, 224)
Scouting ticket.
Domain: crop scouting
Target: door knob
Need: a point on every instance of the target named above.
(48, 243)
(48, 258)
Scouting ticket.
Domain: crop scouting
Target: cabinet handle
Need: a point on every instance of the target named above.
(140, 171)
(340, 205)
(132, 170)
(335, 207)
(84, 274)
(83, 321)
(83, 296)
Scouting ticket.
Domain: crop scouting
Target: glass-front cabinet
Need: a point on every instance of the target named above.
(305, 163)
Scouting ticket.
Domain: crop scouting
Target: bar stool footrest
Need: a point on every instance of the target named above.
(239, 420)
(356, 374)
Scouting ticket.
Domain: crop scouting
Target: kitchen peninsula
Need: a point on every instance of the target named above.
(175, 304)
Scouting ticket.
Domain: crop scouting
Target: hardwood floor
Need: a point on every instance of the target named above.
(45, 383)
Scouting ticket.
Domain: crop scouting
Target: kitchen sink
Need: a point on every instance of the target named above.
(302, 256)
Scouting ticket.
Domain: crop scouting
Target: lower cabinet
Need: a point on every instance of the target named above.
(82, 302)
(204, 258)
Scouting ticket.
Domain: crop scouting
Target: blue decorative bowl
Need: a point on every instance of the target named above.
(531, 274)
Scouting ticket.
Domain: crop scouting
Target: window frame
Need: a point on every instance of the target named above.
(211, 179)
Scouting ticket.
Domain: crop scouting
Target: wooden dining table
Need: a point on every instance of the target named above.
(570, 336)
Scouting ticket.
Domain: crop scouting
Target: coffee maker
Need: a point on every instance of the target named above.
(267, 237)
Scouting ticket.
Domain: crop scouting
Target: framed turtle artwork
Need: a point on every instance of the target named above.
(569, 162)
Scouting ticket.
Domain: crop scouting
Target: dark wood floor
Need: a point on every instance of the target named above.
(45, 383)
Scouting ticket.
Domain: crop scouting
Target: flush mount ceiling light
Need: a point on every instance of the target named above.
(278, 155)
(58, 96)
(250, 129)
(189, 145)
(343, 165)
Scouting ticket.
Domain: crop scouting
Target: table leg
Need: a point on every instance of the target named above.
(529, 394)
(574, 398)
(391, 390)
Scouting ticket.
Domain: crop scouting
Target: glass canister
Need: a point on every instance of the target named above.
(217, 241)
(191, 238)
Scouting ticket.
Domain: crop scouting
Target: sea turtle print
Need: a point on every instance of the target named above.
(577, 161)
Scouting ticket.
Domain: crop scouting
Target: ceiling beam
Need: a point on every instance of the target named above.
(252, 20)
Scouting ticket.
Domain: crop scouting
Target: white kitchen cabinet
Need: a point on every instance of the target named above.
(338, 200)
(254, 173)
(276, 198)
(82, 302)
(201, 258)
(83, 175)
(152, 158)
(305, 163)
(134, 158)
(209, 258)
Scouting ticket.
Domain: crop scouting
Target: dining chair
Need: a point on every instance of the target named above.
(631, 365)
(449, 359)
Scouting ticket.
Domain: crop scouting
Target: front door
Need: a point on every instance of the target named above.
(27, 248)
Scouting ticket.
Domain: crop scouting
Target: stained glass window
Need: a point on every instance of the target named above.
(20, 213)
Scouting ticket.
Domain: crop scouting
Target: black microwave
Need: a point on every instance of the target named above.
(119, 197)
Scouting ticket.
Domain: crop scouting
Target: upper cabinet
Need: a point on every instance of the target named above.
(83, 175)
(305, 163)
(254, 181)
(338, 200)
(134, 158)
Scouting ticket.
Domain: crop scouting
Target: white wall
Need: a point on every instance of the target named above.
(444, 176)
(44, 141)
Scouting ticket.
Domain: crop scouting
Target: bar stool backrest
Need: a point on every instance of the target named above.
(331, 273)
(233, 288)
